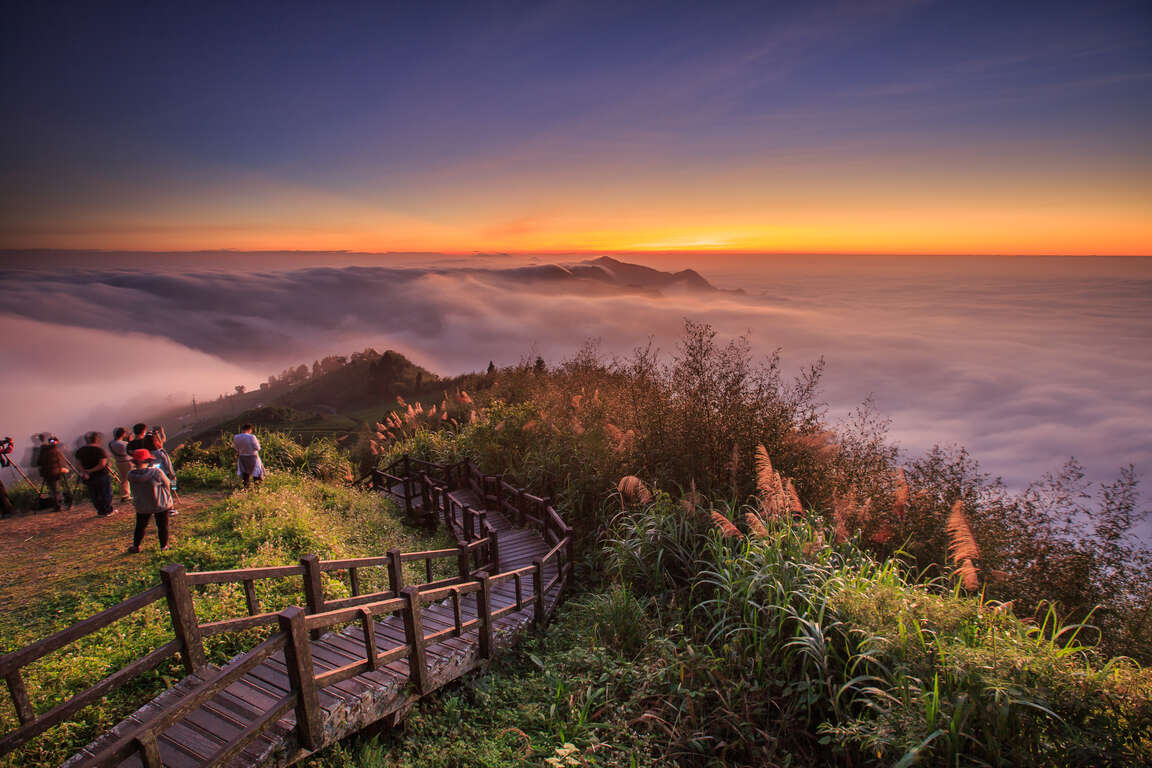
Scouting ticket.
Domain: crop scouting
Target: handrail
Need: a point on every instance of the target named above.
(479, 542)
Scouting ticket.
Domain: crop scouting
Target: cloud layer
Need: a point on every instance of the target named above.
(1025, 363)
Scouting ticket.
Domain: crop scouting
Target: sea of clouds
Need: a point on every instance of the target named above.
(1026, 362)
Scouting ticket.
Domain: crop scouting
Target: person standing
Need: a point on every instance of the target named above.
(119, 449)
(53, 469)
(138, 440)
(152, 497)
(96, 474)
(6, 507)
(248, 464)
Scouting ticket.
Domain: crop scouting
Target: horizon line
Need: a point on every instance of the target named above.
(584, 252)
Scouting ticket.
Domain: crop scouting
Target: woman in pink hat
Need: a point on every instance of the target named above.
(152, 497)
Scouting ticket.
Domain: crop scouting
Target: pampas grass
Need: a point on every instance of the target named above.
(755, 527)
(725, 526)
(962, 547)
(633, 491)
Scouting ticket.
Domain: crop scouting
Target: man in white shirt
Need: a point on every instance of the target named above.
(248, 464)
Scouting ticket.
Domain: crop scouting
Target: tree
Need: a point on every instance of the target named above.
(539, 367)
(240, 389)
(491, 368)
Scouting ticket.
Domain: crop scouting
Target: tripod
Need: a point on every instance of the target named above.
(7, 462)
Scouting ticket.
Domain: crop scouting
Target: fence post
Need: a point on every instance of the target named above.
(368, 624)
(569, 549)
(301, 677)
(484, 613)
(149, 750)
(183, 612)
(24, 711)
(494, 550)
(462, 555)
(313, 587)
(538, 592)
(427, 512)
(500, 494)
(414, 634)
(395, 572)
(468, 524)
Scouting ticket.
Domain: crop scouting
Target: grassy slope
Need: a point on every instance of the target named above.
(51, 559)
(61, 567)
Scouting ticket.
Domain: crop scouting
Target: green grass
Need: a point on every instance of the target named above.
(565, 686)
(290, 515)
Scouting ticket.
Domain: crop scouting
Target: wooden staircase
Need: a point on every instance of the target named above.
(334, 666)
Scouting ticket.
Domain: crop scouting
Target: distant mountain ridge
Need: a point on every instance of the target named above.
(608, 272)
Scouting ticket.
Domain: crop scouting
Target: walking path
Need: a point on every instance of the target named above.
(305, 688)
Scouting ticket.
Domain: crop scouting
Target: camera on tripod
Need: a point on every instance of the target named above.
(6, 446)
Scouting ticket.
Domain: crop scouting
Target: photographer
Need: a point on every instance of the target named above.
(54, 470)
(139, 438)
(94, 464)
(160, 456)
(6, 507)
(119, 448)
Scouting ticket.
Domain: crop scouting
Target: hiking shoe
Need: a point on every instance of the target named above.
(133, 550)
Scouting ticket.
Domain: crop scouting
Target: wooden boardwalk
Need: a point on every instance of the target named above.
(302, 690)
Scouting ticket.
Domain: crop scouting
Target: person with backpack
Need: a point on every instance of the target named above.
(152, 497)
(96, 473)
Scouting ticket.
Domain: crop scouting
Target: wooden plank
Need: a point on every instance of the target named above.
(240, 574)
(433, 554)
(266, 721)
(353, 562)
(190, 741)
(239, 624)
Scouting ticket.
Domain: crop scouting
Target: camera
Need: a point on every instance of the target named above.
(6, 446)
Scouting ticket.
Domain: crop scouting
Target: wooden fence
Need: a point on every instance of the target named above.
(477, 558)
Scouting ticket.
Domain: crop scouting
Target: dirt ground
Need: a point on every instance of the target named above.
(54, 553)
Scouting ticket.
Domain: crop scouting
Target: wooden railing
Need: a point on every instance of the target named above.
(477, 571)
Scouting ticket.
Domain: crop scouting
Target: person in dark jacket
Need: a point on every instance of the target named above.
(139, 438)
(97, 474)
(6, 507)
(54, 470)
(152, 497)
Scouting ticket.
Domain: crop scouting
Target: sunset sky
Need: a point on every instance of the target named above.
(891, 127)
